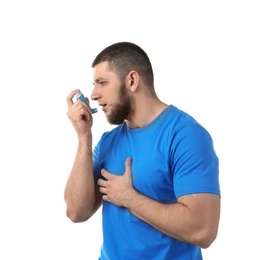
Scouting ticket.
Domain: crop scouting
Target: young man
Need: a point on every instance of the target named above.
(155, 174)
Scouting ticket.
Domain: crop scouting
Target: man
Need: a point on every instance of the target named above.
(155, 173)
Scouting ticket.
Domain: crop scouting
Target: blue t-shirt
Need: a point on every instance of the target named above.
(171, 157)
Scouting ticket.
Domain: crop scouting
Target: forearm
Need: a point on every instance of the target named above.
(80, 190)
(184, 223)
(164, 217)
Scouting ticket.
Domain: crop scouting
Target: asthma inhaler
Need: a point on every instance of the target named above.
(80, 96)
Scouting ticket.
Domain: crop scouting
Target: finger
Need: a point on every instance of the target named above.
(104, 173)
(101, 182)
(105, 197)
(102, 190)
(70, 97)
(85, 105)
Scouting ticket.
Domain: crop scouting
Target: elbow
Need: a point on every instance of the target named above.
(205, 243)
(206, 238)
(80, 213)
(77, 217)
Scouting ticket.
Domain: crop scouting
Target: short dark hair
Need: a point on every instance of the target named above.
(123, 57)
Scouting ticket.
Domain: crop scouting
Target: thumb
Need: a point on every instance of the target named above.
(128, 163)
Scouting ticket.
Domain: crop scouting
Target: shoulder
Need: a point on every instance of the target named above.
(181, 121)
(185, 131)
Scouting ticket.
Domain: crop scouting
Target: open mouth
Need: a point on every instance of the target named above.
(103, 105)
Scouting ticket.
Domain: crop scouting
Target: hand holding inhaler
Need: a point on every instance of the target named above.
(80, 96)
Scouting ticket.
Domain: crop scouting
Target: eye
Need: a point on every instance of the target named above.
(102, 82)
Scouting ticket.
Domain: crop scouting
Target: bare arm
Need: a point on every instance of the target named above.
(193, 219)
(81, 195)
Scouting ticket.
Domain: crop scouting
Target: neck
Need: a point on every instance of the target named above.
(145, 111)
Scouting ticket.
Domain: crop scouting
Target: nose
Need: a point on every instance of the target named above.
(95, 94)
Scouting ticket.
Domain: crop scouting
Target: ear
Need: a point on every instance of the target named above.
(133, 80)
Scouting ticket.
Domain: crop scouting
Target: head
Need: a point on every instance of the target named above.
(121, 59)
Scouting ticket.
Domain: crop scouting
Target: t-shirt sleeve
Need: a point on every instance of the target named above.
(195, 165)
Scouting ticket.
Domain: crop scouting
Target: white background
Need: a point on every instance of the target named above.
(208, 60)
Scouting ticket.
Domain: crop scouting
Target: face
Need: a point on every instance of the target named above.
(112, 94)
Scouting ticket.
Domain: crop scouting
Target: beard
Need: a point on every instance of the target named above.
(121, 110)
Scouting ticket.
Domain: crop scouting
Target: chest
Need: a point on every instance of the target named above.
(151, 171)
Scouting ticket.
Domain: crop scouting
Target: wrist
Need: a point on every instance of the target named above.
(85, 144)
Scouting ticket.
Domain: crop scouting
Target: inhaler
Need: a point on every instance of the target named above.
(79, 96)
